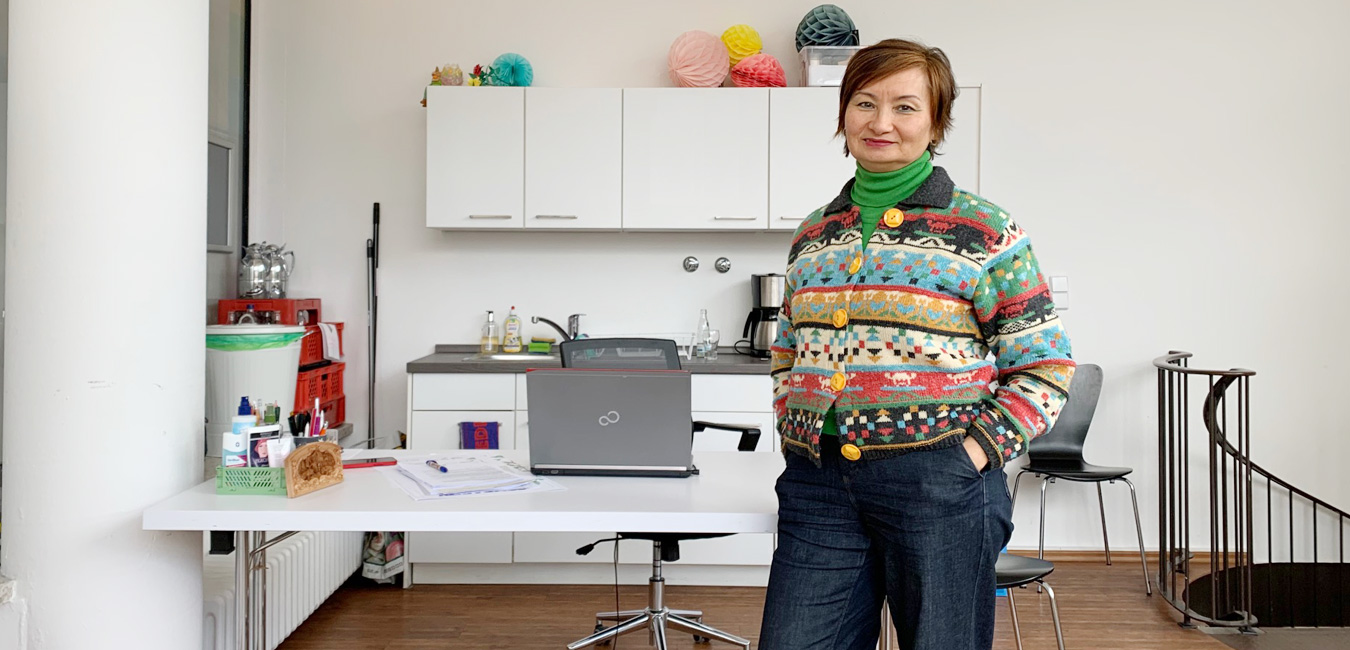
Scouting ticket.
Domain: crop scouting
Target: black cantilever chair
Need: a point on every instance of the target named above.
(649, 354)
(1059, 455)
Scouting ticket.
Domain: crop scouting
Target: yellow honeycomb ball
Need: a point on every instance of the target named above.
(742, 41)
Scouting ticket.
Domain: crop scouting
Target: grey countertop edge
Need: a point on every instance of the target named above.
(450, 359)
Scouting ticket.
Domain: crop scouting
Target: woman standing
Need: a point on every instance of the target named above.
(907, 299)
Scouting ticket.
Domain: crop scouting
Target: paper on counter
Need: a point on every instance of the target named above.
(468, 476)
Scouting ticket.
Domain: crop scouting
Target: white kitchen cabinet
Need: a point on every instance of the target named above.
(475, 157)
(463, 392)
(573, 158)
(735, 393)
(695, 158)
(807, 165)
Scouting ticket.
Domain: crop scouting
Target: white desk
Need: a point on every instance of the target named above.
(716, 501)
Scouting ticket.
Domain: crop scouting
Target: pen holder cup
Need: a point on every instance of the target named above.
(251, 480)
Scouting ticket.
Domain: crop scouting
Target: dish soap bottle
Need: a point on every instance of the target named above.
(488, 344)
(511, 333)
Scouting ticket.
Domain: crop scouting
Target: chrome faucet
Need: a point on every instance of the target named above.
(573, 325)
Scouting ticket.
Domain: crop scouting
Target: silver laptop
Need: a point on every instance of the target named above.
(594, 422)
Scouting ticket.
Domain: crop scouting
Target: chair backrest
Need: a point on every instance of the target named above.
(1065, 439)
(620, 354)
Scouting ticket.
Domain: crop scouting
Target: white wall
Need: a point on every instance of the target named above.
(1155, 150)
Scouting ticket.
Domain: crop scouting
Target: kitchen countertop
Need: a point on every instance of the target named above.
(450, 358)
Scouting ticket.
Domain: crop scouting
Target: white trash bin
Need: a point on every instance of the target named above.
(255, 361)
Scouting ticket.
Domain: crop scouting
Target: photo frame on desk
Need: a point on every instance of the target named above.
(223, 198)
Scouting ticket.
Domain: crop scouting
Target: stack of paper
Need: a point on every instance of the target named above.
(464, 475)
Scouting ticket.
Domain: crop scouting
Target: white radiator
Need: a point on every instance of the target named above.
(302, 572)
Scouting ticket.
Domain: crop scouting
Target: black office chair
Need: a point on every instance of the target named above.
(649, 354)
(1010, 572)
(1016, 572)
(1059, 454)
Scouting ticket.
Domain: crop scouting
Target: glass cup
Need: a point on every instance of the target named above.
(714, 337)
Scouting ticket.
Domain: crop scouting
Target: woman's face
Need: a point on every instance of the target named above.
(889, 123)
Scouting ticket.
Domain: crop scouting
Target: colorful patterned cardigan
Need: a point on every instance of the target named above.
(897, 337)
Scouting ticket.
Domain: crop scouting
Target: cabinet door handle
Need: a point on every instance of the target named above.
(555, 216)
(791, 218)
(489, 216)
(724, 218)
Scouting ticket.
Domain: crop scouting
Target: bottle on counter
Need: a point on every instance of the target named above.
(701, 335)
(490, 342)
(511, 341)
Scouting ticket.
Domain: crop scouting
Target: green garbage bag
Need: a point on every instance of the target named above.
(243, 342)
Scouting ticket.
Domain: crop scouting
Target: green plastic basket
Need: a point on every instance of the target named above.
(251, 480)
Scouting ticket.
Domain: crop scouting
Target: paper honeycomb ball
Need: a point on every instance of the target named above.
(512, 69)
(826, 25)
(758, 71)
(741, 41)
(698, 60)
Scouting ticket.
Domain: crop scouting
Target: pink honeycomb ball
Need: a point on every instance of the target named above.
(698, 60)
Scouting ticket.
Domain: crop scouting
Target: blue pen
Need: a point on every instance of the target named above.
(435, 465)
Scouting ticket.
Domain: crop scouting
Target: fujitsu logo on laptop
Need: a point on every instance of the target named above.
(609, 418)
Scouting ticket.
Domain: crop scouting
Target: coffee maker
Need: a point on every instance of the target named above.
(766, 299)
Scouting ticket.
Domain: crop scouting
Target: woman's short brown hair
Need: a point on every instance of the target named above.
(876, 62)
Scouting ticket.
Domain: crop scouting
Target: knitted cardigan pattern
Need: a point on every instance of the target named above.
(898, 336)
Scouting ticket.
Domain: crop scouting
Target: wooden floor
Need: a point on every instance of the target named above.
(1100, 607)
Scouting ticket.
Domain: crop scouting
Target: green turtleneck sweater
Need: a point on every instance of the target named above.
(875, 193)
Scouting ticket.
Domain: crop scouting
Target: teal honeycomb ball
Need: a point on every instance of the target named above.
(512, 69)
(826, 25)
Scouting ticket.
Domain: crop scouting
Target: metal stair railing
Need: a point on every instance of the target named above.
(1235, 589)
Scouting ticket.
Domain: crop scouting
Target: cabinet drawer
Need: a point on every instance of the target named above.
(452, 391)
(474, 548)
(736, 393)
(435, 430)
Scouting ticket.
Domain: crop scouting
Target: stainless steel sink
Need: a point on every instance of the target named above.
(513, 356)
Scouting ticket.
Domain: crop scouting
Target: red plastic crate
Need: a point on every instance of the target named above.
(335, 411)
(311, 347)
(323, 383)
(284, 311)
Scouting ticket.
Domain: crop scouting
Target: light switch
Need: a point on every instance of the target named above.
(1059, 283)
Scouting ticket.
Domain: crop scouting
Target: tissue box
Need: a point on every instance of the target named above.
(823, 65)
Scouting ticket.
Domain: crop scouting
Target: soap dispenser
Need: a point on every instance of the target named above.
(488, 344)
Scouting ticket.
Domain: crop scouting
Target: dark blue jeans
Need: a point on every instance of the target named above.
(921, 530)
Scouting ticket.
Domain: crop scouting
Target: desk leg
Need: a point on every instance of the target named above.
(242, 604)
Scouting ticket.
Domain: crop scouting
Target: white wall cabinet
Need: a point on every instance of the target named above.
(807, 165)
(695, 158)
(475, 157)
(573, 158)
(648, 159)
